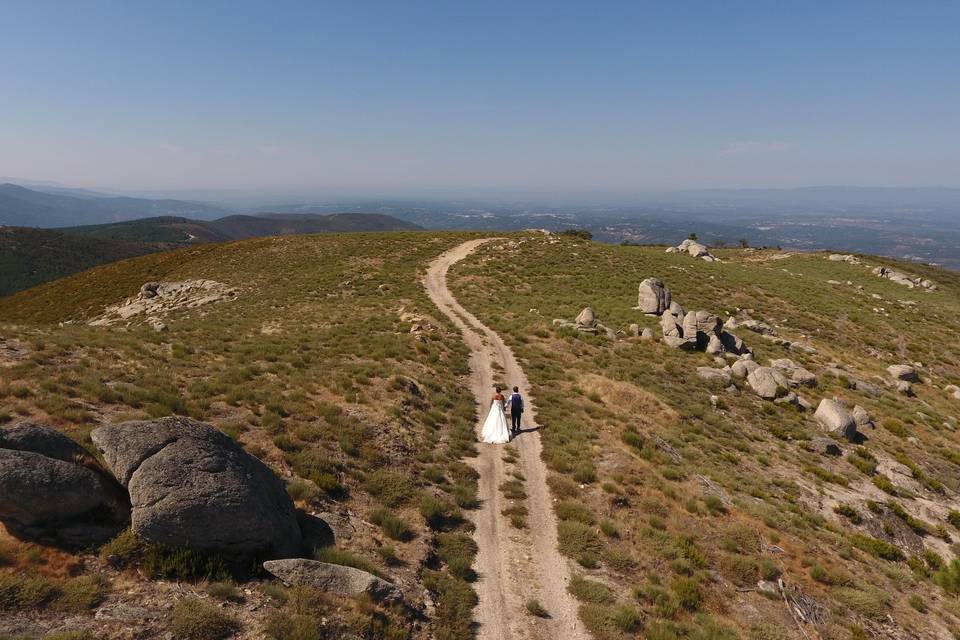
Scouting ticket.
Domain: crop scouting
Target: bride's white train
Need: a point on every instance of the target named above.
(495, 430)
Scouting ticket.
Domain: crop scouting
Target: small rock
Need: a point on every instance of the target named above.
(825, 446)
(713, 375)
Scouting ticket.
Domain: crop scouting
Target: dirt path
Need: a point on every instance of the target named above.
(513, 565)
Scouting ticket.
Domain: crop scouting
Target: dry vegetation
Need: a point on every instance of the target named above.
(314, 369)
(681, 508)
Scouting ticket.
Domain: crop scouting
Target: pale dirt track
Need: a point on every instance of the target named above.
(513, 565)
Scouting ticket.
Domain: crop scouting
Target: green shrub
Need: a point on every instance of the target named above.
(78, 595)
(392, 489)
(392, 526)
(954, 518)
(875, 547)
(589, 591)
(849, 513)
(883, 483)
(159, 561)
(687, 591)
(534, 608)
(195, 619)
(948, 577)
(579, 542)
(332, 555)
(282, 625)
(574, 510)
(455, 601)
(918, 603)
(223, 590)
(466, 496)
(870, 602)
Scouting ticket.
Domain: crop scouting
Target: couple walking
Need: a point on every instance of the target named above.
(495, 427)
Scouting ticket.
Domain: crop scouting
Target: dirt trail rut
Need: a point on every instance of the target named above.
(513, 565)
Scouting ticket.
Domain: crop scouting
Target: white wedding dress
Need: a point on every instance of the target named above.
(495, 430)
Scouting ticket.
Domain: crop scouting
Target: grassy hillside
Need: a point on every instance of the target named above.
(677, 507)
(314, 369)
(672, 504)
(32, 256)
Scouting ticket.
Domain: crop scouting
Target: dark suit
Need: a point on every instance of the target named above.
(516, 410)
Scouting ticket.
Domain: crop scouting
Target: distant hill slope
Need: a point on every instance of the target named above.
(24, 207)
(29, 257)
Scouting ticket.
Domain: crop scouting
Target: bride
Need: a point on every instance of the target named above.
(495, 429)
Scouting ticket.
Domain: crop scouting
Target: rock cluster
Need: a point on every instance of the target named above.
(51, 489)
(191, 485)
(903, 279)
(845, 257)
(158, 298)
(695, 249)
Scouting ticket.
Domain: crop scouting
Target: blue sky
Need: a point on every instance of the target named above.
(417, 95)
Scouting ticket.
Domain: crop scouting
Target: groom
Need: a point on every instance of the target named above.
(516, 410)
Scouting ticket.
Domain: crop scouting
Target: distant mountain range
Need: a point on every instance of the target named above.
(58, 207)
(31, 256)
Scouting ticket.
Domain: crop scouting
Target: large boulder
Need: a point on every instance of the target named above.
(733, 344)
(904, 372)
(862, 418)
(192, 486)
(673, 333)
(653, 296)
(335, 578)
(586, 319)
(743, 367)
(50, 488)
(834, 418)
(766, 382)
(699, 326)
(797, 374)
(39, 438)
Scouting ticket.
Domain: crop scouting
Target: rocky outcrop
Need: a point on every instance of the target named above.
(903, 372)
(694, 248)
(834, 418)
(191, 485)
(51, 489)
(797, 374)
(953, 390)
(904, 279)
(334, 578)
(845, 257)
(653, 296)
(158, 298)
(767, 382)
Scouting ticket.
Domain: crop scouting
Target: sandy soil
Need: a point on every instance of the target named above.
(513, 565)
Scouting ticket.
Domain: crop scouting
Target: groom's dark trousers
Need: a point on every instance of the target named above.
(515, 420)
